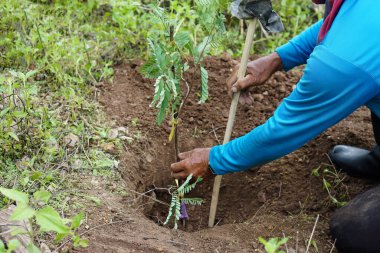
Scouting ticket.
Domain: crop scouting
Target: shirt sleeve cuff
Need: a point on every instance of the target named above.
(214, 159)
(284, 52)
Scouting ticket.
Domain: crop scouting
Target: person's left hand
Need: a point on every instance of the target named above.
(194, 162)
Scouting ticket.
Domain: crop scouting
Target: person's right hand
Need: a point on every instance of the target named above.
(258, 72)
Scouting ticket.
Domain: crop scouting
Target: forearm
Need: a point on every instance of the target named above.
(298, 50)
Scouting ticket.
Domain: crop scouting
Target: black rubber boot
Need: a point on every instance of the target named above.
(358, 162)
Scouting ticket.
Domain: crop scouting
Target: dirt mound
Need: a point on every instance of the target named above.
(280, 198)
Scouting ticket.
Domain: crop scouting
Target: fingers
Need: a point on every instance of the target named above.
(180, 170)
(180, 175)
(184, 155)
(244, 83)
(180, 166)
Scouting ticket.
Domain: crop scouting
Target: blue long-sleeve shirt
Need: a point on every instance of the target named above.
(341, 74)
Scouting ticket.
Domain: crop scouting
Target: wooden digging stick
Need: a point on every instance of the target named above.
(231, 116)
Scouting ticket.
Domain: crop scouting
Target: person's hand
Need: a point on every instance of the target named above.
(258, 72)
(194, 162)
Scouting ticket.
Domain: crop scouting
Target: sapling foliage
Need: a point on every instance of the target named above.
(173, 50)
(177, 208)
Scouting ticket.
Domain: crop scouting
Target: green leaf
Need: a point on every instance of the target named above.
(43, 196)
(19, 114)
(13, 135)
(150, 69)
(22, 212)
(18, 231)
(193, 201)
(78, 242)
(204, 85)
(32, 248)
(182, 38)
(158, 88)
(49, 220)
(13, 245)
(163, 107)
(5, 111)
(31, 73)
(18, 196)
(2, 247)
(76, 220)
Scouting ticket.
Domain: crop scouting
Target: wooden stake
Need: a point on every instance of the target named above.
(231, 116)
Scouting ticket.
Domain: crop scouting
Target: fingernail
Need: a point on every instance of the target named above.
(234, 89)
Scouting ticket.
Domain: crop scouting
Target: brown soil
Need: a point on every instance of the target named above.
(280, 198)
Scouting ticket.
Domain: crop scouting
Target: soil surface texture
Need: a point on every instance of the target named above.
(282, 198)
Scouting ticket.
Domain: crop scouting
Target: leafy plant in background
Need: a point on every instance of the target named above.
(273, 245)
(178, 203)
(41, 218)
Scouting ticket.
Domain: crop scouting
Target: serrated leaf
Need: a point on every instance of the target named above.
(204, 85)
(18, 196)
(49, 220)
(149, 69)
(22, 212)
(43, 196)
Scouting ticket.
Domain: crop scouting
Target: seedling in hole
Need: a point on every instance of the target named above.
(177, 210)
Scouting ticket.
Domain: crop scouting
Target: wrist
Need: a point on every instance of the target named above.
(275, 63)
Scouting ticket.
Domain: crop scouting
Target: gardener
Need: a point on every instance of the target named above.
(342, 73)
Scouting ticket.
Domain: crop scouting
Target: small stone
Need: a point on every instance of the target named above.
(77, 164)
(258, 97)
(122, 130)
(113, 133)
(191, 119)
(71, 140)
(126, 138)
(261, 197)
(149, 158)
(265, 93)
(108, 147)
(225, 113)
(282, 89)
(44, 248)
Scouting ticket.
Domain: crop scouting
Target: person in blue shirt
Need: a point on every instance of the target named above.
(342, 73)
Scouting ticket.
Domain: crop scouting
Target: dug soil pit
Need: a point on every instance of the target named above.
(282, 198)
